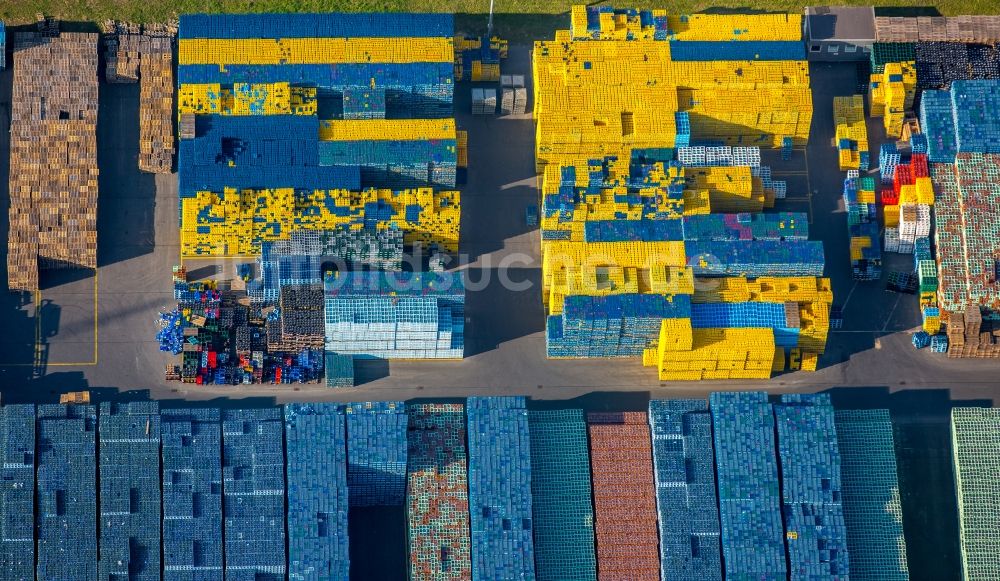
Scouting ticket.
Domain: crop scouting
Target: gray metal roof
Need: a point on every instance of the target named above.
(840, 23)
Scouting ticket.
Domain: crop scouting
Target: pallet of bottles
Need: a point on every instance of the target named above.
(484, 101)
(978, 28)
(376, 453)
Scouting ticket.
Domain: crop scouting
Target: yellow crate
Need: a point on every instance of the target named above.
(462, 143)
(925, 191)
(736, 26)
(891, 216)
(387, 129)
(810, 361)
(908, 194)
(319, 51)
(866, 197)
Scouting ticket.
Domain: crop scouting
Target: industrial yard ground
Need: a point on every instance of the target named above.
(97, 332)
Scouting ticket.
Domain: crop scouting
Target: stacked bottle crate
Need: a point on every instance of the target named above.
(254, 492)
(396, 315)
(815, 533)
(871, 498)
(562, 513)
(859, 202)
(888, 159)
(891, 94)
(749, 495)
(500, 498)
(130, 499)
(192, 476)
(376, 453)
(624, 496)
(754, 258)
(746, 226)
(851, 133)
(53, 149)
(477, 59)
(437, 493)
(686, 497)
(66, 476)
(316, 472)
(17, 496)
(890, 52)
(938, 123)
(941, 63)
(3, 45)
(975, 436)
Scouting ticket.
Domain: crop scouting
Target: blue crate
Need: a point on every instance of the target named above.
(633, 230)
(938, 124)
(192, 494)
(17, 495)
(500, 489)
(939, 344)
(921, 339)
(755, 258)
(815, 532)
(686, 498)
(562, 509)
(130, 499)
(749, 496)
(376, 453)
(771, 226)
(66, 521)
(918, 143)
(739, 50)
(744, 315)
(974, 107)
(682, 121)
(316, 472)
(337, 25)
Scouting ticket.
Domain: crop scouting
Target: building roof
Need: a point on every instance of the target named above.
(840, 23)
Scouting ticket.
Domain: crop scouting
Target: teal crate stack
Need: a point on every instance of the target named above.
(686, 497)
(747, 226)
(891, 52)
(749, 495)
(192, 494)
(562, 509)
(66, 476)
(872, 505)
(129, 453)
(376, 453)
(17, 493)
(500, 489)
(316, 473)
(254, 494)
(815, 533)
(339, 370)
(755, 258)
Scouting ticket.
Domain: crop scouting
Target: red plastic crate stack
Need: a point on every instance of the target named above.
(624, 497)
(890, 197)
(918, 165)
(903, 177)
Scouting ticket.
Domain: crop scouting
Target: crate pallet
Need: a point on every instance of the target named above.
(53, 206)
(254, 493)
(192, 476)
(976, 450)
(686, 498)
(755, 258)
(811, 487)
(624, 496)
(562, 509)
(747, 226)
(500, 498)
(130, 501)
(17, 497)
(156, 94)
(121, 54)
(926, 28)
(437, 494)
(376, 453)
(66, 476)
(316, 472)
(749, 495)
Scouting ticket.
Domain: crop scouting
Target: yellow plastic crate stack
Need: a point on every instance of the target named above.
(246, 99)
(462, 143)
(313, 51)
(387, 129)
(921, 192)
(592, 280)
(891, 94)
(730, 189)
(687, 354)
(236, 222)
(851, 132)
(559, 256)
(720, 27)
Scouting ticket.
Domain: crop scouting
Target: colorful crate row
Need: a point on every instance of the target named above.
(891, 94)
(376, 453)
(851, 132)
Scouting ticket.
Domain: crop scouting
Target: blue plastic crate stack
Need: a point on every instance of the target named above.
(500, 488)
(872, 506)
(339, 370)
(686, 498)
(754, 258)
(129, 435)
(66, 518)
(562, 509)
(815, 533)
(737, 50)
(254, 493)
(3, 46)
(316, 471)
(376, 453)
(403, 315)
(682, 120)
(749, 495)
(747, 226)
(888, 159)
(192, 477)
(863, 231)
(938, 123)
(17, 495)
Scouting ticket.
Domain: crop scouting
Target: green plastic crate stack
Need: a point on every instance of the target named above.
(562, 507)
(891, 52)
(975, 435)
(927, 275)
(870, 486)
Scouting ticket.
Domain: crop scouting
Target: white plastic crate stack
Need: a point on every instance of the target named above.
(484, 101)
(515, 93)
(914, 222)
(506, 101)
(892, 240)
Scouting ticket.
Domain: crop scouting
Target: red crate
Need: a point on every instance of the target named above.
(889, 197)
(918, 165)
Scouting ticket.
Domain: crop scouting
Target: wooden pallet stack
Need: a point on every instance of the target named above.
(53, 157)
(156, 91)
(121, 52)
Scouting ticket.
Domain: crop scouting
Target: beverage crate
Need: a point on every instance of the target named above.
(562, 510)
(686, 497)
(624, 496)
(749, 495)
(939, 344)
(66, 476)
(938, 123)
(975, 455)
(891, 52)
(254, 492)
(376, 453)
(872, 507)
(53, 117)
(17, 497)
(747, 226)
(437, 493)
(130, 500)
(3, 46)
(500, 498)
(359, 25)
(973, 105)
(192, 477)
(339, 370)
(815, 532)
(754, 258)
(738, 50)
(316, 473)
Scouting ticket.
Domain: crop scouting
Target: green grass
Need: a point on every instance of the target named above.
(543, 15)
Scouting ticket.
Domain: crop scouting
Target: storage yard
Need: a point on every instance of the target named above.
(382, 296)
